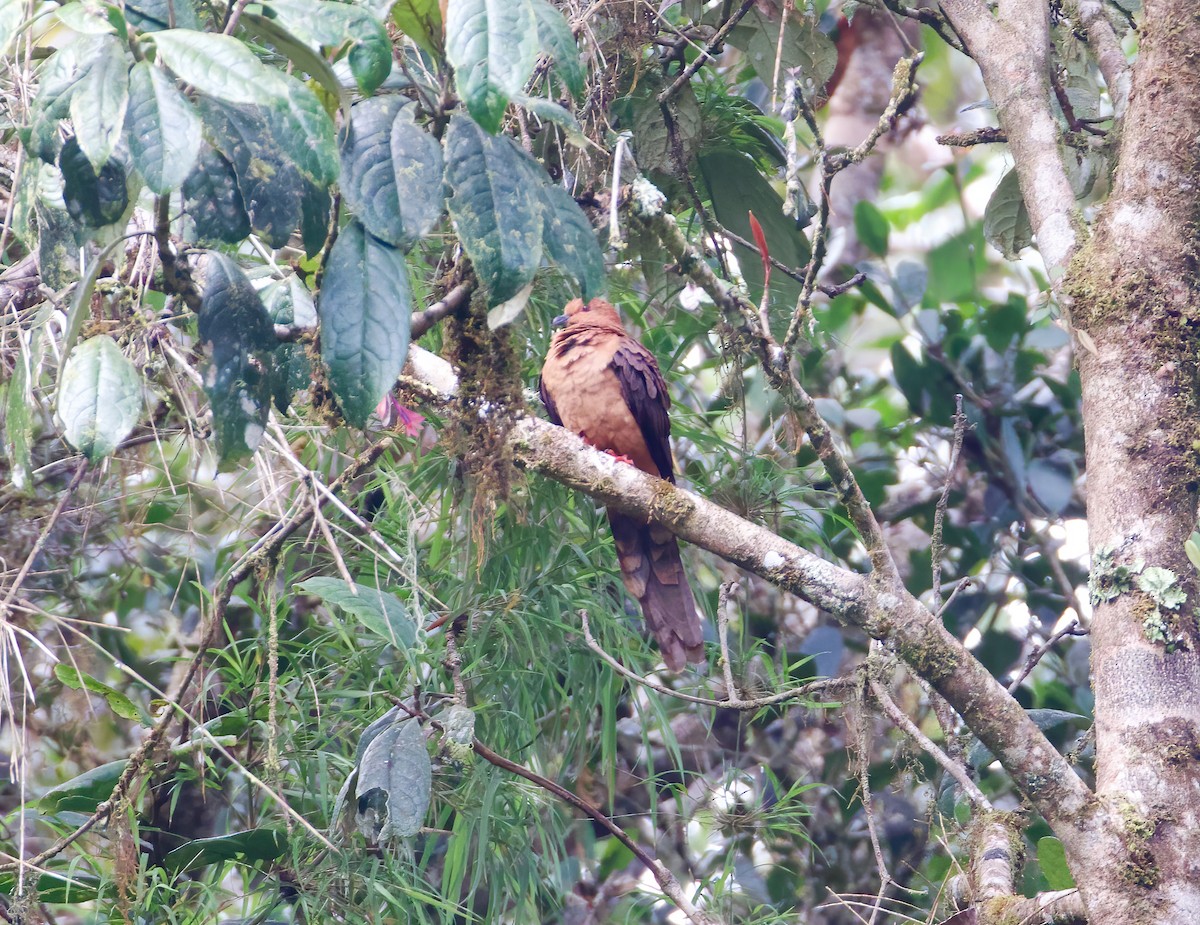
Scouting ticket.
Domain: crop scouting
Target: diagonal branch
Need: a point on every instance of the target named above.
(883, 610)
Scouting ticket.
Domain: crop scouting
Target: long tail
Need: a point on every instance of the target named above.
(653, 573)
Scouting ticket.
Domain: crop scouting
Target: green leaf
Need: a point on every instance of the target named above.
(1052, 483)
(54, 888)
(1191, 546)
(382, 613)
(871, 227)
(736, 188)
(395, 778)
(325, 25)
(1006, 223)
(493, 46)
(218, 65)
(652, 140)
(12, 14)
(805, 48)
(84, 793)
(163, 129)
(117, 702)
(156, 15)
(270, 184)
(246, 847)
(392, 172)
(366, 309)
(1052, 859)
(235, 325)
(570, 238)
(18, 420)
(100, 397)
(421, 21)
(93, 199)
(213, 201)
(499, 218)
(98, 102)
(555, 37)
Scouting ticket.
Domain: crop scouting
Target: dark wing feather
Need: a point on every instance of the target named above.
(549, 403)
(645, 393)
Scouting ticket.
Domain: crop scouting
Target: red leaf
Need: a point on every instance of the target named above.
(761, 240)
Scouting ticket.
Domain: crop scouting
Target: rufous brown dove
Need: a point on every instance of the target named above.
(602, 384)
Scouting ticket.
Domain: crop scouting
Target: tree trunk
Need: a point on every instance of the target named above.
(1134, 294)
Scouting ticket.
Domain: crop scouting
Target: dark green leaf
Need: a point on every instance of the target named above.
(805, 47)
(737, 188)
(57, 888)
(392, 172)
(1053, 862)
(98, 102)
(315, 204)
(1006, 220)
(163, 129)
(246, 847)
(99, 398)
(213, 201)
(271, 186)
(156, 15)
(570, 238)
(365, 307)
(554, 36)
(382, 613)
(499, 218)
(652, 137)
(421, 21)
(95, 199)
(84, 793)
(871, 227)
(493, 46)
(236, 326)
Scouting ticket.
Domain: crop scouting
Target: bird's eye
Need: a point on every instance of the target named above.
(586, 308)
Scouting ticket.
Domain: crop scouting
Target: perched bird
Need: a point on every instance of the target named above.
(602, 384)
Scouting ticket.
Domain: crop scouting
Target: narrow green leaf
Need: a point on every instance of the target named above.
(554, 35)
(235, 325)
(365, 307)
(117, 702)
(1006, 222)
(100, 397)
(1052, 859)
(1191, 546)
(382, 613)
(245, 847)
(99, 100)
(493, 46)
(421, 21)
(392, 171)
(499, 218)
(871, 227)
(163, 129)
(18, 420)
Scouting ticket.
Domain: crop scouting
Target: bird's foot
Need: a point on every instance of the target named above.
(620, 457)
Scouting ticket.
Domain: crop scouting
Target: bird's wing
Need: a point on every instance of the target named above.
(645, 394)
(551, 409)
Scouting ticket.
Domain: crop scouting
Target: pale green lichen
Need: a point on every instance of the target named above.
(1161, 622)
(1108, 580)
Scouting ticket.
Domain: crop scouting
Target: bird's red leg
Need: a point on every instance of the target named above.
(619, 457)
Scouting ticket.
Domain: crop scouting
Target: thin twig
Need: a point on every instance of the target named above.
(724, 608)
(949, 765)
(1071, 629)
(939, 511)
(710, 49)
(988, 135)
(757, 703)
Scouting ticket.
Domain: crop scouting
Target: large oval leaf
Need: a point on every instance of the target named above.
(99, 100)
(571, 240)
(218, 65)
(499, 217)
(1006, 222)
(164, 130)
(394, 781)
(392, 171)
(493, 45)
(381, 612)
(99, 398)
(213, 201)
(365, 308)
(93, 198)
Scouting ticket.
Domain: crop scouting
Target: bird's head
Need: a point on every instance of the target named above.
(596, 313)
